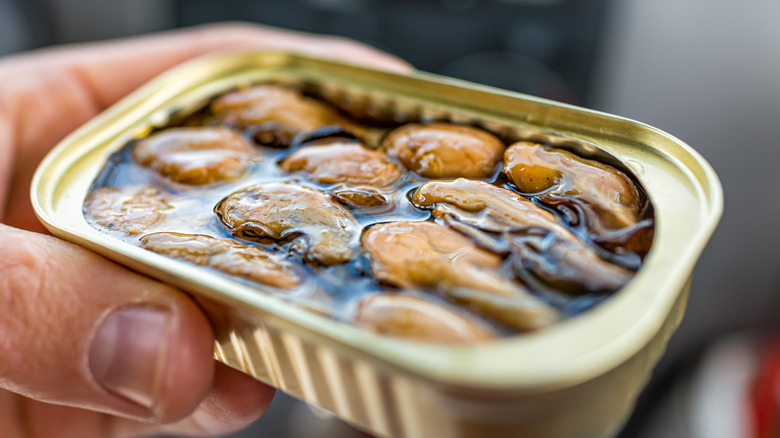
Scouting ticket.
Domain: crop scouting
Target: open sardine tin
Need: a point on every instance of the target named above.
(578, 378)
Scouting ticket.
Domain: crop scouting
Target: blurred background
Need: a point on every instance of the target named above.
(706, 71)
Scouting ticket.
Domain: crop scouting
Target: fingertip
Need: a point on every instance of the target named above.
(235, 401)
(188, 364)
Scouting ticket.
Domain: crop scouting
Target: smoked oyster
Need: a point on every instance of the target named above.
(282, 211)
(195, 156)
(227, 255)
(345, 162)
(432, 256)
(274, 115)
(360, 173)
(444, 150)
(601, 196)
(130, 210)
(540, 244)
(410, 317)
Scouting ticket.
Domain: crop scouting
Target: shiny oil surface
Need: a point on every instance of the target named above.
(335, 290)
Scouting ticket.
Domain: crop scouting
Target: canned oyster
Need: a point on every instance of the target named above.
(542, 185)
(512, 250)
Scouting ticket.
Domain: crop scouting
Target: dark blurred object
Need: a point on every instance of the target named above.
(22, 26)
(546, 48)
(729, 389)
(289, 418)
(765, 394)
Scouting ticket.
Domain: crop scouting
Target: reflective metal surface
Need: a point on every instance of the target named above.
(542, 384)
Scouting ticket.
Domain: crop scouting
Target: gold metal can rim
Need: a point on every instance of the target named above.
(683, 187)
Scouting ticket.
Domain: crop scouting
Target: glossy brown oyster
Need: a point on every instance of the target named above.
(428, 255)
(409, 317)
(130, 210)
(484, 205)
(274, 114)
(443, 150)
(195, 156)
(282, 211)
(358, 170)
(228, 256)
(537, 241)
(605, 197)
(343, 162)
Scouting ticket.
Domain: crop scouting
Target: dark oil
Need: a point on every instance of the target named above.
(331, 290)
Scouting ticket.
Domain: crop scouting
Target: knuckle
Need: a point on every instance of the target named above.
(347, 44)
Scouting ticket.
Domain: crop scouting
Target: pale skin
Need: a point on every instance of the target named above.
(57, 378)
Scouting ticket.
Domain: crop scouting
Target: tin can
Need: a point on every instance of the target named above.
(578, 378)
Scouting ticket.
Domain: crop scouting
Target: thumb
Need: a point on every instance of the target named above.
(81, 331)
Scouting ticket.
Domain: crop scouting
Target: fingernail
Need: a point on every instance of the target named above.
(127, 356)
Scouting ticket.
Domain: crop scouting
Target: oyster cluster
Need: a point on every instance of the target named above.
(437, 232)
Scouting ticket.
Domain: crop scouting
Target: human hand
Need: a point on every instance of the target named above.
(87, 347)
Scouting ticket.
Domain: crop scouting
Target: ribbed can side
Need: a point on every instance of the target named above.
(393, 405)
(354, 390)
